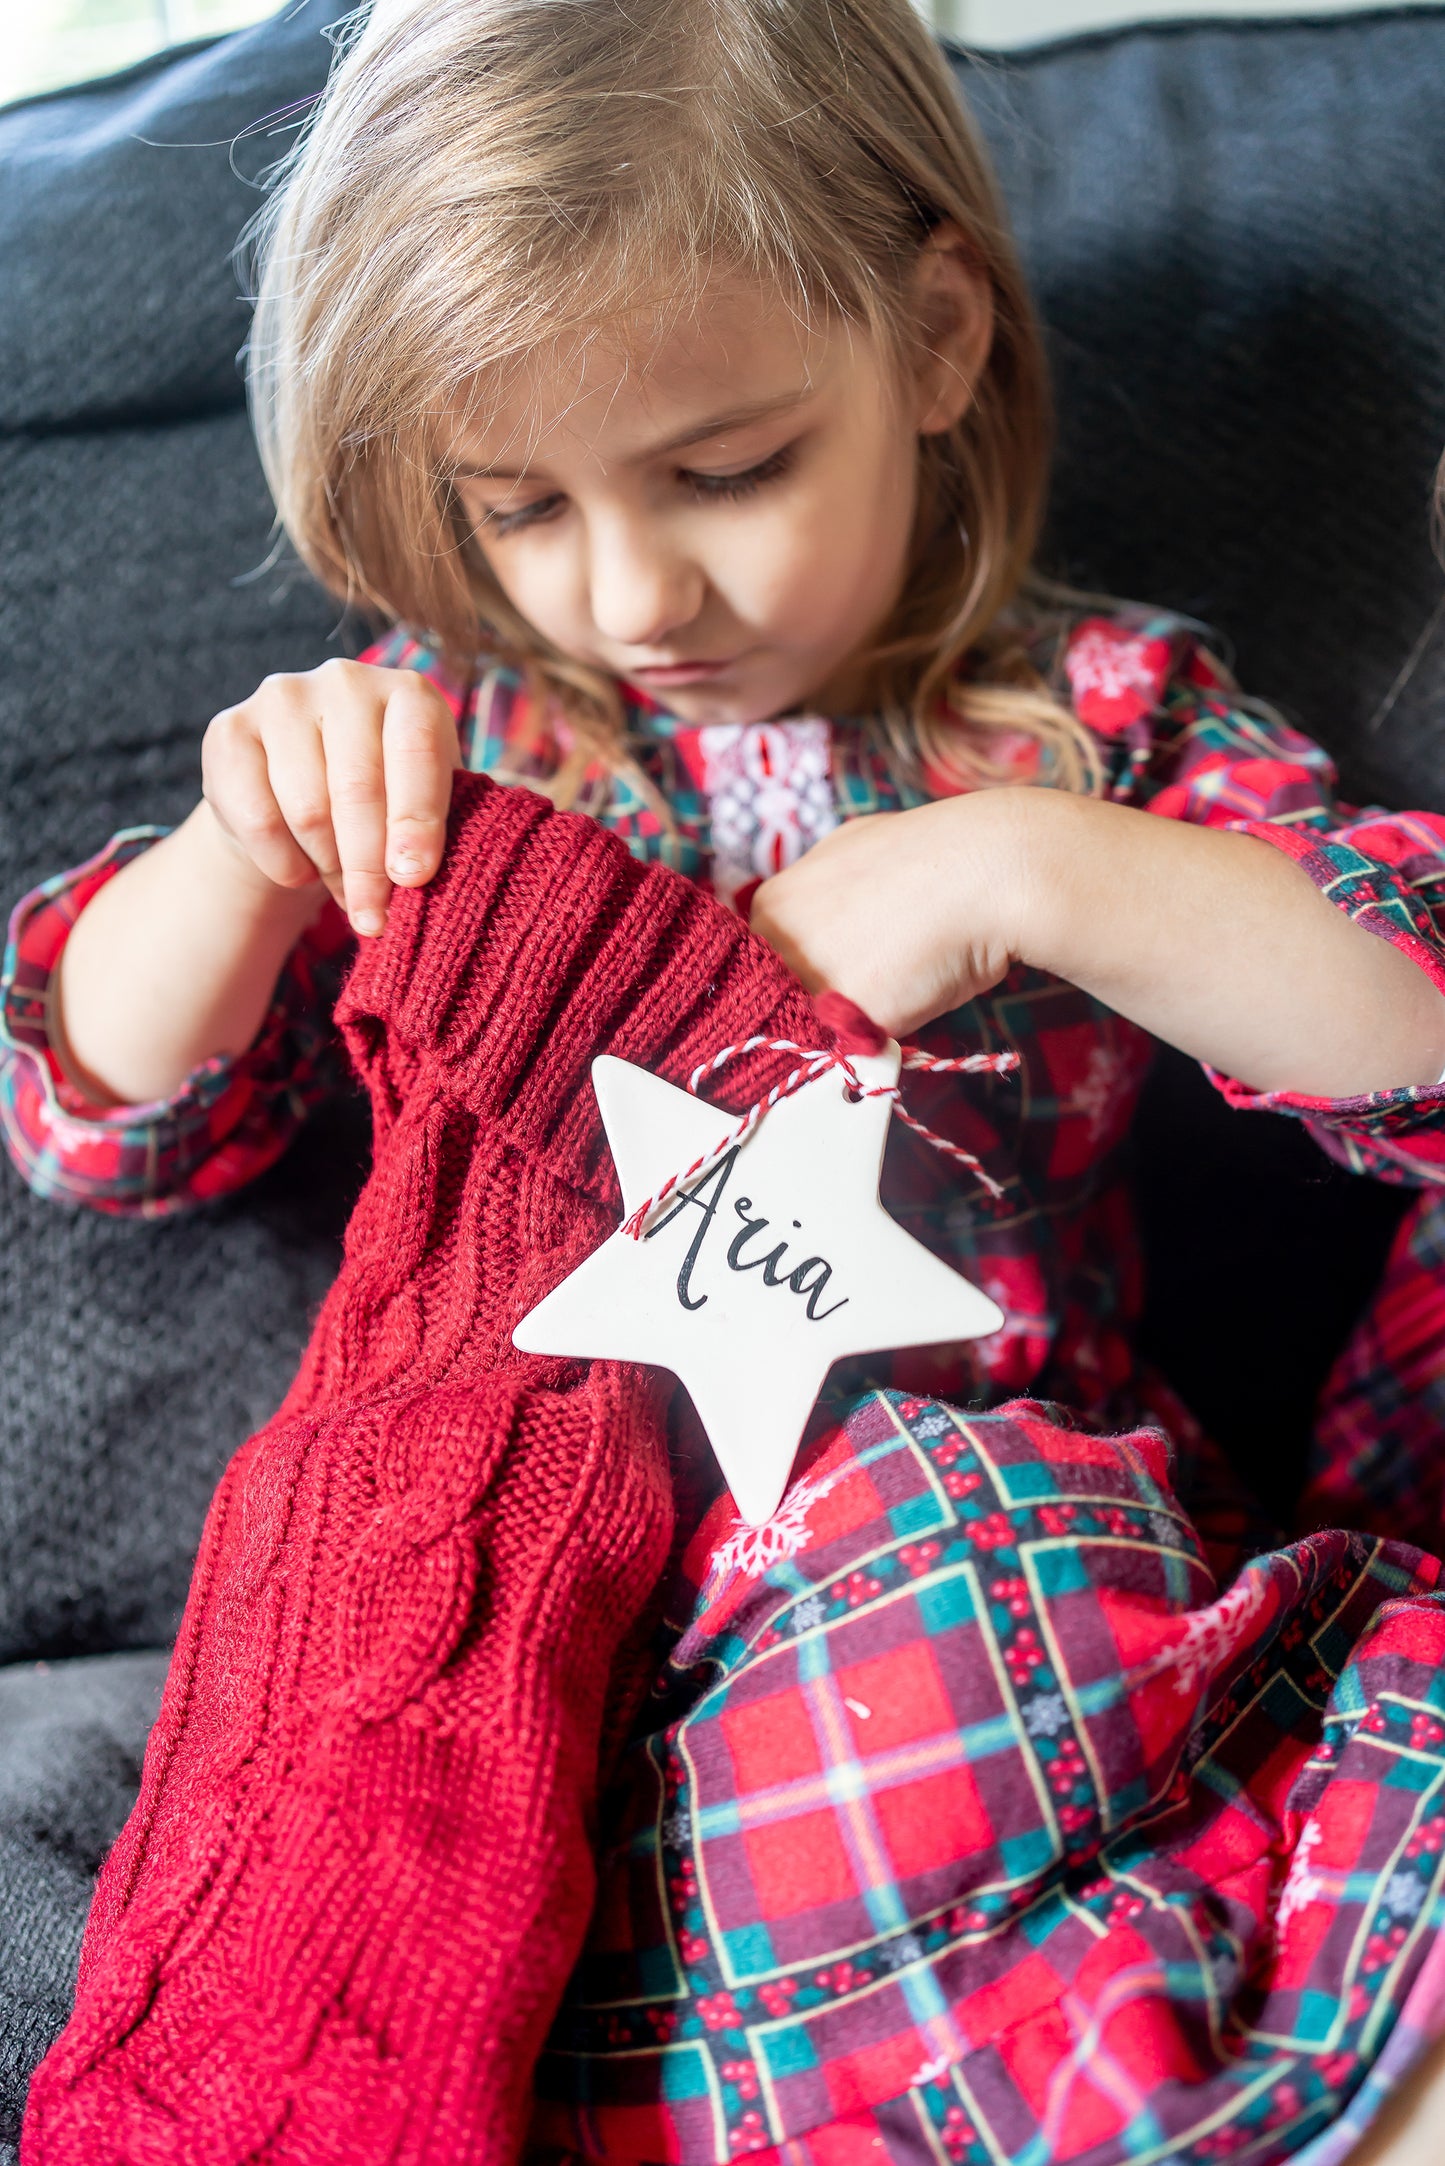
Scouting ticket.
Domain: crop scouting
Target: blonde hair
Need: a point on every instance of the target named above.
(484, 179)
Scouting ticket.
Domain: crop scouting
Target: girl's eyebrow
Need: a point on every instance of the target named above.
(739, 417)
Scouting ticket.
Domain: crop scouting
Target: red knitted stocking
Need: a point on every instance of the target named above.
(339, 1920)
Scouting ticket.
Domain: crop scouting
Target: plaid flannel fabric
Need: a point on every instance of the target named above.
(1173, 737)
(229, 1121)
(1378, 1460)
(973, 1823)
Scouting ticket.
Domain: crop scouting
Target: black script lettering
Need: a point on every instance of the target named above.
(810, 1278)
(717, 1180)
(800, 1284)
(751, 1226)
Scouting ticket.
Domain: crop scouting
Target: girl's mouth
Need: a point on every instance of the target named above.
(664, 675)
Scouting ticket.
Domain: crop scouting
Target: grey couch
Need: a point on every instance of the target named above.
(1235, 236)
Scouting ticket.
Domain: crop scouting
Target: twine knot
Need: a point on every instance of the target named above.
(855, 1036)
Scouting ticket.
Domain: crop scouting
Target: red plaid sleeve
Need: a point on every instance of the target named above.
(226, 1124)
(231, 1119)
(1178, 740)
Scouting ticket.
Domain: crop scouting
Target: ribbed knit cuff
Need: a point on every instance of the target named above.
(541, 943)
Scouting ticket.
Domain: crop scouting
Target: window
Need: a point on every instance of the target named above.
(1020, 22)
(50, 42)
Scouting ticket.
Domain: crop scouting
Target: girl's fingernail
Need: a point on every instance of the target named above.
(367, 922)
(404, 864)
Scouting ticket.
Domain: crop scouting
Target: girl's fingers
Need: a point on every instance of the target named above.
(419, 755)
(297, 762)
(236, 781)
(351, 741)
(303, 774)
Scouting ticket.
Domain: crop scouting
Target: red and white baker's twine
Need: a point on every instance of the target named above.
(813, 1063)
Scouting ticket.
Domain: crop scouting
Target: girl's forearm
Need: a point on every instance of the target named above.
(173, 961)
(1222, 946)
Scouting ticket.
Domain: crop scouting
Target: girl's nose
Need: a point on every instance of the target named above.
(643, 589)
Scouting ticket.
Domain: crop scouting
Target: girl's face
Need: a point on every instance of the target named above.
(723, 518)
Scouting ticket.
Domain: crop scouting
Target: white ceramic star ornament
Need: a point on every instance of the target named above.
(753, 1277)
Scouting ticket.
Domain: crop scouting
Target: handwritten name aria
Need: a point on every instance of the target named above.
(809, 1278)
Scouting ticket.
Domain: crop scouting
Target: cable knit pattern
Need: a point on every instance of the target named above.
(340, 1918)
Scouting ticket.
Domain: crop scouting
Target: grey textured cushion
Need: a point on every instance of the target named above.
(131, 607)
(1234, 234)
(71, 1739)
(120, 206)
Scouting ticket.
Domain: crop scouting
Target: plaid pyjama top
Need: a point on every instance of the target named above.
(1009, 1797)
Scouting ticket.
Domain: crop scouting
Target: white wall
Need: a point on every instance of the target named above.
(1019, 22)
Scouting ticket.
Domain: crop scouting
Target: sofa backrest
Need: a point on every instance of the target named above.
(1234, 234)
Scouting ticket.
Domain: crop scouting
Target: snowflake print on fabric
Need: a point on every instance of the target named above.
(1117, 674)
(755, 1550)
(1211, 1636)
(770, 795)
(1303, 1886)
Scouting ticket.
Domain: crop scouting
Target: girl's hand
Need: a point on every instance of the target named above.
(1214, 941)
(908, 913)
(342, 775)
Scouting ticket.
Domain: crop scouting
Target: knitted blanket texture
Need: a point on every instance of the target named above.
(339, 1920)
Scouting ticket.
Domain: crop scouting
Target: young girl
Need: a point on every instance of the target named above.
(665, 375)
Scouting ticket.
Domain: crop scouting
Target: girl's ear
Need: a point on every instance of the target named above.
(953, 308)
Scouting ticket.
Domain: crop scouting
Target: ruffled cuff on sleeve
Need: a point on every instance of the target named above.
(228, 1121)
(1396, 1135)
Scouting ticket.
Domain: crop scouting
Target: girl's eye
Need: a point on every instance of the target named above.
(534, 514)
(735, 485)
